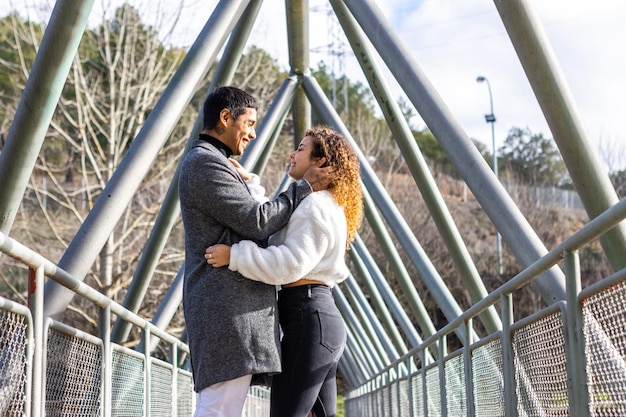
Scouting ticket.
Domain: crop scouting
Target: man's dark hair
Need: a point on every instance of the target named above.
(234, 99)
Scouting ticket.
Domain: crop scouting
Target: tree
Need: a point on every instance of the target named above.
(531, 159)
(439, 161)
(118, 74)
(356, 106)
(260, 75)
(19, 40)
(120, 71)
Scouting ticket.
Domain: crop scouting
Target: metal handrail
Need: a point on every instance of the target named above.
(591, 231)
(34, 260)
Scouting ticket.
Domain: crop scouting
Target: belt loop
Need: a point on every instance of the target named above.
(308, 288)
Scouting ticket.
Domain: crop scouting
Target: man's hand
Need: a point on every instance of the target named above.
(319, 178)
(217, 255)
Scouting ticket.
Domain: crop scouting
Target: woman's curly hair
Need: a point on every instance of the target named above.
(346, 186)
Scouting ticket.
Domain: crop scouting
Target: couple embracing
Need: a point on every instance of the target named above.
(240, 247)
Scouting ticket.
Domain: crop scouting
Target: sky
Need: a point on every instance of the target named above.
(454, 42)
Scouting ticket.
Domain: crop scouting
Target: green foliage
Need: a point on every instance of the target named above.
(408, 112)
(434, 154)
(13, 50)
(484, 151)
(352, 100)
(531, 159)
(340, 406)
(438, 160)
(429, 146)
(18, 42)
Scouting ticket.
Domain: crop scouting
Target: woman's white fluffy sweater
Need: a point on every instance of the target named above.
(311, 246)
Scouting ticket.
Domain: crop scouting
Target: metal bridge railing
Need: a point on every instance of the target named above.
(50, 369)
(568, 359)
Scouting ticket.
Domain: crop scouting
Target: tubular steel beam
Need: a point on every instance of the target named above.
(373, 326)
(360, 361)
(167, 309)
(492, 196)
(170, 208)
(411, 153)
(351, 320)
(378, 302)
(346, 371)
(385, 289)
(392, 215)
(39, 99)
(355, 366)
(397, 266)
(97, 227)
(298, 44)
(550, 87)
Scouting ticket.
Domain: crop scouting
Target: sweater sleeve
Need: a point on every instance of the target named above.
(307, 239)
(256, 189)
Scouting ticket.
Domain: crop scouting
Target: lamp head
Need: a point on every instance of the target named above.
(480, 79)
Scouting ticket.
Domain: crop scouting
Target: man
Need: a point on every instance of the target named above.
(231, 321)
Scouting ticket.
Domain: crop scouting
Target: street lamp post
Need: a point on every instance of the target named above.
(491, 118)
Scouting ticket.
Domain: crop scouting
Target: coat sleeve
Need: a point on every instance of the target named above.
(308, 237)
(223, 195)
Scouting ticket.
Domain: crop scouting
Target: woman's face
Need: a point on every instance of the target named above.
(300, 159)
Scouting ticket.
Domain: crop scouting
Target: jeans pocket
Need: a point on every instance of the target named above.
(332, 331)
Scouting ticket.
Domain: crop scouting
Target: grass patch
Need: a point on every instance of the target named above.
(341, 412)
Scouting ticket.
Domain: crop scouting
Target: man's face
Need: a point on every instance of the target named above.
(240, 131)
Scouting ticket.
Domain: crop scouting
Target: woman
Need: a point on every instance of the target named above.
(306, 258)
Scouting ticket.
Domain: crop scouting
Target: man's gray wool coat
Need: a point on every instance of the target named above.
(232, 322)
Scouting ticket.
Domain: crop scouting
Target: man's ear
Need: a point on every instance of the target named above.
(224, 116)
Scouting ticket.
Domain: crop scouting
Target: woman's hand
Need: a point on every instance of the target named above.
(242, 171)
(217, 255)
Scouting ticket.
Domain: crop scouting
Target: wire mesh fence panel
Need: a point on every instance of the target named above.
(161, 389)
(604, 316)
(540, 368)
(73, 376)
(185, 394)
(13, 363)
(417, 395)
(456, 402)
(127, 380)
(433, 390)
(488, 381)
(403, 398)
(385, 393)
